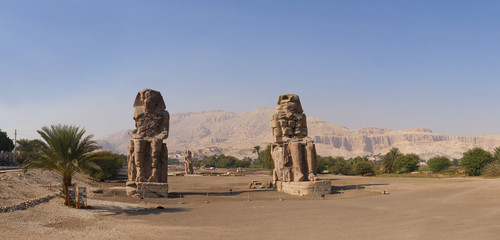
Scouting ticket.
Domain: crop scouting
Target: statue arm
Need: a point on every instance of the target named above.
(164, 127)
(303, 127)
(133, 134)
(276, 127)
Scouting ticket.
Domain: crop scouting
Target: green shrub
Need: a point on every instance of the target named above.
(492, 169)
(406, 163)
(357, 159)
(475, 160)
(243, 163)
(438, 164)
(423, 168)
(267, 160)
(108, 162)
(453, 171)
(174, 161)
(341, 166)
(321, 164)
(362, 167)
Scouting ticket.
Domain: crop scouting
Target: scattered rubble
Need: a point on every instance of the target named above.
(26, 204)
(259, 185)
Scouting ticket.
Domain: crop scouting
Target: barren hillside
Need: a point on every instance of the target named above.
(237, 134)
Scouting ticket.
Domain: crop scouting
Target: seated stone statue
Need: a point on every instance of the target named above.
(148, 155)
(293, 153)
(188, 164)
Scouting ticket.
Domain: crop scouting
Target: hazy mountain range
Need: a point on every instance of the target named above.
(237, 134)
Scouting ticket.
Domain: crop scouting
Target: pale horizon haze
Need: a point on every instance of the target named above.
(387, 64)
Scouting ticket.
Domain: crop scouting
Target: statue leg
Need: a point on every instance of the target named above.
(297, 158)
(287, 170)
(277, 156)
(131, 162)
(139, 159)
(164, 163)
(156, 146)
(191, 171)
(311, 161)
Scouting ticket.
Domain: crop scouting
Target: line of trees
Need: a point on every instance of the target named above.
(474, 162)
(339, 165)
(222, 161)
(396, 162)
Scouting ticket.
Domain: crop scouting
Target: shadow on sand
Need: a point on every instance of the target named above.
(136, 211)
(219, 194)
(337, 189)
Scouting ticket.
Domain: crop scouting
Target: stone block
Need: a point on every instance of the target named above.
(147, 189)
(306, 188)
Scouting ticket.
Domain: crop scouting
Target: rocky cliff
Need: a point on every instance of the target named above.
(237, 134)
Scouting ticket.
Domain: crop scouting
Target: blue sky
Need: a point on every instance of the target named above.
(389, 64)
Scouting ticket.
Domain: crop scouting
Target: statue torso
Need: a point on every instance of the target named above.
(149, 123)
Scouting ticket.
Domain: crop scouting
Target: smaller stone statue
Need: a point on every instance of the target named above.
(188, 165)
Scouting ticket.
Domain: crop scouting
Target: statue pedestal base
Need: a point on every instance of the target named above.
(321, 187)
(147, 189)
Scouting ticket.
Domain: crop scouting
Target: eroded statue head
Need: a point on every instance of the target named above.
(150, 99)
(289, 102)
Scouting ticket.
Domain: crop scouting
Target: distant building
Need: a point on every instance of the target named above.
(375, 158)
(176, 155)
(209, 150)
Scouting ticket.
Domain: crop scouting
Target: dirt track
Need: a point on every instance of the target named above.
(416, 208)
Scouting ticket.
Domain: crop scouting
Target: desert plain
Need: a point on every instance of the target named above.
(223, 207)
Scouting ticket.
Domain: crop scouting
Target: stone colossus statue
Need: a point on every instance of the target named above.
(293, 153)
(148, 155)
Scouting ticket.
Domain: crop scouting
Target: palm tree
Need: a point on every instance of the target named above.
(256, 149)
(28, 149)
(65, 151)
(389, 158)
(496, 153)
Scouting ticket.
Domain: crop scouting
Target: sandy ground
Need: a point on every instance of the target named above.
(415, 208)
